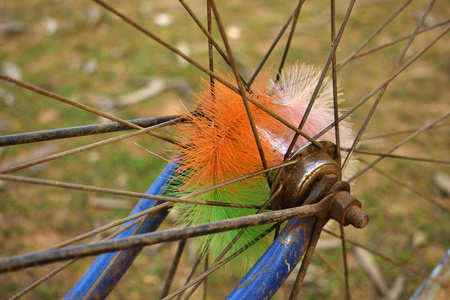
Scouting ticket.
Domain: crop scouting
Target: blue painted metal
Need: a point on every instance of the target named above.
(127, 257)
(419, 293)
(275, 265)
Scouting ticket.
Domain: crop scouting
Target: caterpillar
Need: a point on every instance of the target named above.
(218, 145)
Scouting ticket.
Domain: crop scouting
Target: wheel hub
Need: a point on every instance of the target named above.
(296, 181)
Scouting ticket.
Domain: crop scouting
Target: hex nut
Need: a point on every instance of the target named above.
(341, 204)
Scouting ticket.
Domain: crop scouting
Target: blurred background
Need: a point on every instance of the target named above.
(80, 51)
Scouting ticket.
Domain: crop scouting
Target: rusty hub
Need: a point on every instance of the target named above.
(314, 178)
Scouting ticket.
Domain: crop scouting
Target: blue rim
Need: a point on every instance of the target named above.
(121, 265)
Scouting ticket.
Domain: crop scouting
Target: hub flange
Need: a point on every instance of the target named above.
(296, 181)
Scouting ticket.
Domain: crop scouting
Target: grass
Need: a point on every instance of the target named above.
(35, 217)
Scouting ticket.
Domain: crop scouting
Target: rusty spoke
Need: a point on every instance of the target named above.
(48, 276)
(334, 82)
(45, 257)
(240, 85)
(70, 132)
(342, 63)
(381, 93)
(81, 106)
(86, 147)
(294, 16)
(173, 268)
(373, 136)
(218, 263)
(237, 237)
(191, 274)
(185, 199)
(398, 40)
(410, 187)
(322, 76)
(404, 266)
(422, 159)
(386, 81)
(411, 136)
(307, 258)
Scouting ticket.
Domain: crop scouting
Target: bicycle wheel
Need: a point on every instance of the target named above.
(98, 73)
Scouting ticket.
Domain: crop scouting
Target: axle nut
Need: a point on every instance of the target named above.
(346, 209)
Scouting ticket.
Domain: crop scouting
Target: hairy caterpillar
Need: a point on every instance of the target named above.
(218, 145)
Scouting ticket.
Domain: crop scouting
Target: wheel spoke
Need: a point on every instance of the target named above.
(63, 133)
(240, 85)
(80, 106)
(215, 266)
(344, 257)
(294, 16)
(173, 268)
(398, 40)
(411, 188)
(397, 132)
(322, 76)
(38, 258)
(381, 93)
(342, 63)
(386, 81)
(50, 275)
(207, 32)
(411, 136)
(334, 82)
(81, 187)
(289, 40)
(404, 266)
(423, 159)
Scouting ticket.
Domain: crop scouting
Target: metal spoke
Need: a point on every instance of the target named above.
(207, 71)
(342, 63)
(289, 40)
(381, 93)
(215, 266)
(53, 273)
(294, 16)
(386, 81)
(362, 171)
(70, 262)
(134, 217)
(373, 136)
(322, 76)
(236, 238)
(404, 266)
(208, 33)
(66, 185)
(173, 268)
(205, 281)
(210, 43)
(84, 148)
(411, 188)
(70, 132)
(423, 159)
(319, 223)
(334, 82)
(240, 85)
(44, 257)
(398, 40)
(80, 106)
(188, 279)
(116, 257)
(344, 257)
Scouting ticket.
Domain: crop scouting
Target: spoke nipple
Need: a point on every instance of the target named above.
(357, 217)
